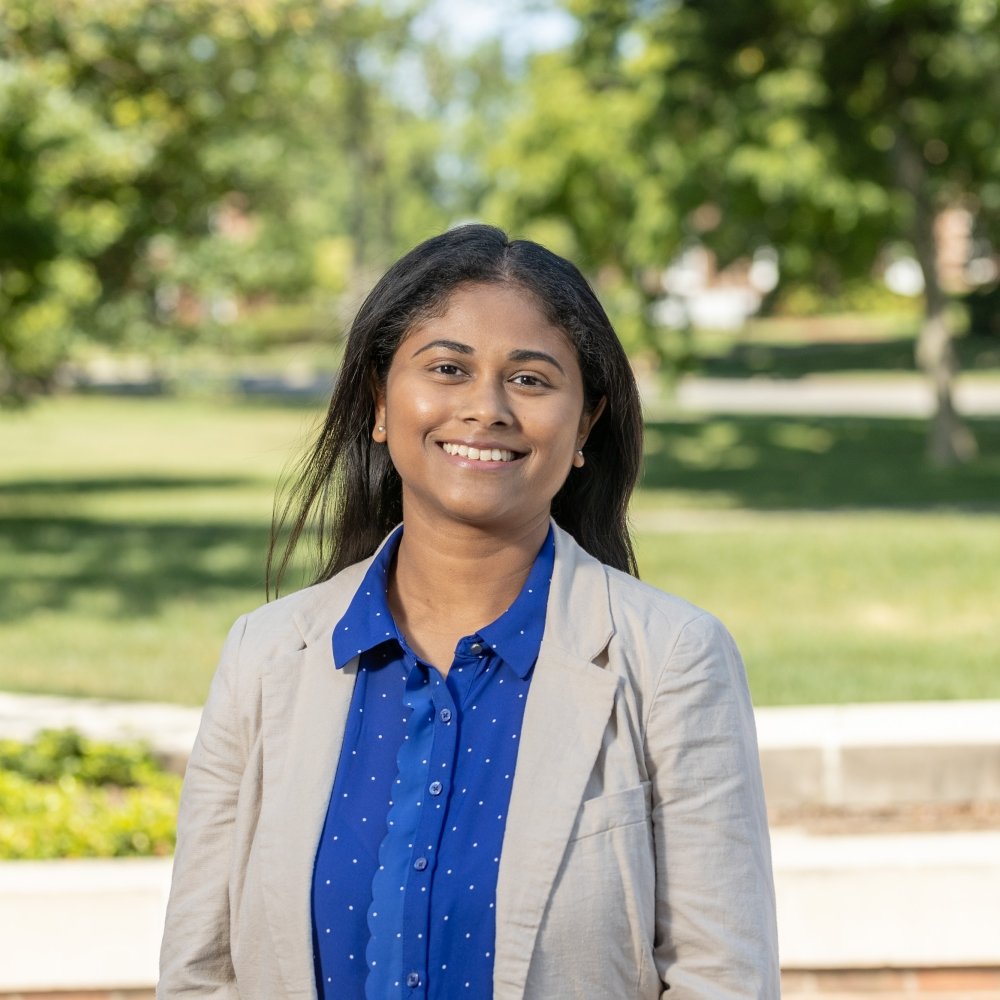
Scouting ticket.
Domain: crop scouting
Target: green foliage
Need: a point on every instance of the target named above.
(984, 311)
(572, 167)
(858, 296)
(164, 167)
(826, 128)
(64, 796)
(850, 119)
(56, 754)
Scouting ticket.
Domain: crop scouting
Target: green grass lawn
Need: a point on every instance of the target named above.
(132, 532)
(841, 607)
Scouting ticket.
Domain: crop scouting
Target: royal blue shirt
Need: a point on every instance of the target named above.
(404, 885)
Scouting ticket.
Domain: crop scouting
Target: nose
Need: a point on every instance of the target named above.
(486, 402)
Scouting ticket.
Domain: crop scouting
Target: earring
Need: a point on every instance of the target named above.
(381, 428)
(579, 460)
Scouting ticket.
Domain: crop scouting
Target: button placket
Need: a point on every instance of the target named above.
(427, 837)
(388, 910)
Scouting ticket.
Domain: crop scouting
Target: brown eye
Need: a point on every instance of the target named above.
(528, 381)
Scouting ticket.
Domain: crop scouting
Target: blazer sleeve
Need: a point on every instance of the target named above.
(195, 957)
(716, 935)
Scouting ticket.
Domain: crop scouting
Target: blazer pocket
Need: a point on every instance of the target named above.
(631, 805)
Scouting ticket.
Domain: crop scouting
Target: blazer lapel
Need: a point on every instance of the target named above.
(565, 718)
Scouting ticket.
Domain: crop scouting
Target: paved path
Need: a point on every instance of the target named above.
(824, 395)
(169, 729)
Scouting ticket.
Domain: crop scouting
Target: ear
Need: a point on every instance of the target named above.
(587, 422)
(378, 429)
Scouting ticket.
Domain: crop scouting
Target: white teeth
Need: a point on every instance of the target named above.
(479, 454)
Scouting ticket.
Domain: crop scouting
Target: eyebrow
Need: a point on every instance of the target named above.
(535, 356)
(450, 345)
(521, 355)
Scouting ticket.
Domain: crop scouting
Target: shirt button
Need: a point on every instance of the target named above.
(446, 715)
(436, 788)
(413, 980)
(476, 647)
(420, 864)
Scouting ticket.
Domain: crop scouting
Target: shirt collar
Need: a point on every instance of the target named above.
(515, 636)
(368, 622)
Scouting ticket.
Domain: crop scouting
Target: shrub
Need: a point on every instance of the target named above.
(64, 796)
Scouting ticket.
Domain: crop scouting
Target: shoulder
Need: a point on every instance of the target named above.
(634, 605)
(634, 600)
(678, 664)
(649, 635)
(670, 636)
(297, 619)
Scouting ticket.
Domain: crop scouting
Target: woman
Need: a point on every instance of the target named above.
(478, 757)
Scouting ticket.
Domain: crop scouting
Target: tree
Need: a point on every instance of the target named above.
(900, 110)
(570, 168)
(826, 127)
(160, 162)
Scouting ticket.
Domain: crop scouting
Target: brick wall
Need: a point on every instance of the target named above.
(868, 984)
(890, 984)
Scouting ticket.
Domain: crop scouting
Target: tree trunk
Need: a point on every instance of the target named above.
(950, 441)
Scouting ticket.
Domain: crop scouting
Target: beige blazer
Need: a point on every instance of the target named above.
(636, 858)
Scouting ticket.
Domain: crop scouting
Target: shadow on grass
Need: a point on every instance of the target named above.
(111, 570)
(891, 355)
(116, 484)
(123, 570)
(819, 463)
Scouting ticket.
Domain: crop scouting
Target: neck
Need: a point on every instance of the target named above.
(444, 587)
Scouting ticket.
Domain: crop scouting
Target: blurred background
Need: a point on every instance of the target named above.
(791, 211)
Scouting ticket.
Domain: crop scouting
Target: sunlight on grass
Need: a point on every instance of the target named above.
(800, 437)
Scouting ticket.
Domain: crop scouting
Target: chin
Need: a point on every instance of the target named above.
(479, 517)
(492, 512)
(487, 517)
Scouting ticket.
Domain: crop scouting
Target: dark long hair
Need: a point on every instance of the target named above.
(346, 490)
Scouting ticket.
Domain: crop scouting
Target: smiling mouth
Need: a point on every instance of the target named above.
(480, 454)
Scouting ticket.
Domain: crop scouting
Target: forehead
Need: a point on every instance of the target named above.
(482, 315)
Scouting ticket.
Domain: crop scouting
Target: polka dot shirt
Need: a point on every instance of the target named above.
(404, 885)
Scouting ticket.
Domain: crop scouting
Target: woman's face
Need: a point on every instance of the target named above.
(483, 410)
